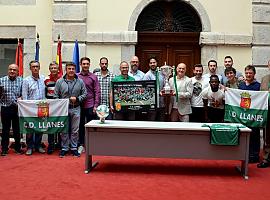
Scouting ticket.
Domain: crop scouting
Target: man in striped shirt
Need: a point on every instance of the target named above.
(49, 93)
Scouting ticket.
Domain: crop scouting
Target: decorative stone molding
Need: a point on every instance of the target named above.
(69, 12)
(69, 31)
(125, 37)
(211, 38)
(261, 1)
(18, 2)
(28, 33)
(206, 26)
(17, 31)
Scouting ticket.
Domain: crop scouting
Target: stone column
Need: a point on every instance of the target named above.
(261, 35)
(69, 21)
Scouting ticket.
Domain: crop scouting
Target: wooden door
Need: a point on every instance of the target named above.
(172, 48)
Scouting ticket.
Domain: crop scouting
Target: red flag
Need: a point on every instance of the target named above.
(19, 58)
(59, 56)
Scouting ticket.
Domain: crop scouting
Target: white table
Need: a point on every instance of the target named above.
(160, 140)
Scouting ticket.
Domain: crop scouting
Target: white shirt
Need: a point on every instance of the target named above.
(215, 99)
(198, 87)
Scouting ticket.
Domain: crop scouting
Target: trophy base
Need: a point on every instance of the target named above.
(166, 93)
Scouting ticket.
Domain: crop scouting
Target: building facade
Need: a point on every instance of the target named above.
(190, 31)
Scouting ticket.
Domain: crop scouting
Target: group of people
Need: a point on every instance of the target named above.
(197, 99)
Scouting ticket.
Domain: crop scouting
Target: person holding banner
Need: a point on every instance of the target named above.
(10, 91)
(213, 100)
(232, 80)
(265, 86)
(72, 88)
(33, 88)
(50, 82)
(250, 83)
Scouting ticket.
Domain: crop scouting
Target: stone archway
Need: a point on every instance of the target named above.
(170, 31)
(206, 26)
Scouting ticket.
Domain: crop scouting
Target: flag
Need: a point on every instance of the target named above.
(19, 58)
(246, 107)
(43, 116)
(76, 56)
(59, 56)
(37, 48)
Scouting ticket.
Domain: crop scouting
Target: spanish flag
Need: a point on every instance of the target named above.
(59, 56)
(19, 57)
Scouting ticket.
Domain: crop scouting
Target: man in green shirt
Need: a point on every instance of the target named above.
(123, 77)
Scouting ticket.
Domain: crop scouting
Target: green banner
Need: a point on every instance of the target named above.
(248, 117)
(50, 125)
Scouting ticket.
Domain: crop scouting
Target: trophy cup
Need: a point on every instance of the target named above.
(166, 70)
(102, 112)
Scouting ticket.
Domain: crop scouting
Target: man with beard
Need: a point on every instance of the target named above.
(213, 101)
(199, 83)
(158, 114)
(105, 78)
(90, 104)
(134, 69)
(212, 68)
(228, 62)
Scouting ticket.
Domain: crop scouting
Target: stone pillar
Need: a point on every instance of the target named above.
(261, 35)
(69, 21)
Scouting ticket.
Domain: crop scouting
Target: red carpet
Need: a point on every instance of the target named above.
(44, 177)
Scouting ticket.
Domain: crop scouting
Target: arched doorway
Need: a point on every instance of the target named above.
(169, 30)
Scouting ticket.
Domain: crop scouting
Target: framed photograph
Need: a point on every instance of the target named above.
(134, 95)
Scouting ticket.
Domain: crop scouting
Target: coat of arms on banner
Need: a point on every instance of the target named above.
(43, 109)
(245, 100)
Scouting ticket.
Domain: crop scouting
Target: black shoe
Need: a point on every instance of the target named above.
(19, 151)
(62, 153)
(50, 151)
(263, 164)
(4, 153)
(75, 153)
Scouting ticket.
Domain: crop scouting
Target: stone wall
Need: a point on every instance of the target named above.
(261, 36)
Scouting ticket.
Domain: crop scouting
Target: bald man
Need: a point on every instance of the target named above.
(11, 90)
(134, 69)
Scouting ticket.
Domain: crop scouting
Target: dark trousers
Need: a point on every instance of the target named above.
(87, 115)
(215, 115)
(197, 114)
(9, 114)
(254, 144)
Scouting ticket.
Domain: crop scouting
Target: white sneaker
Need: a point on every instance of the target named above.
(81, 149)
